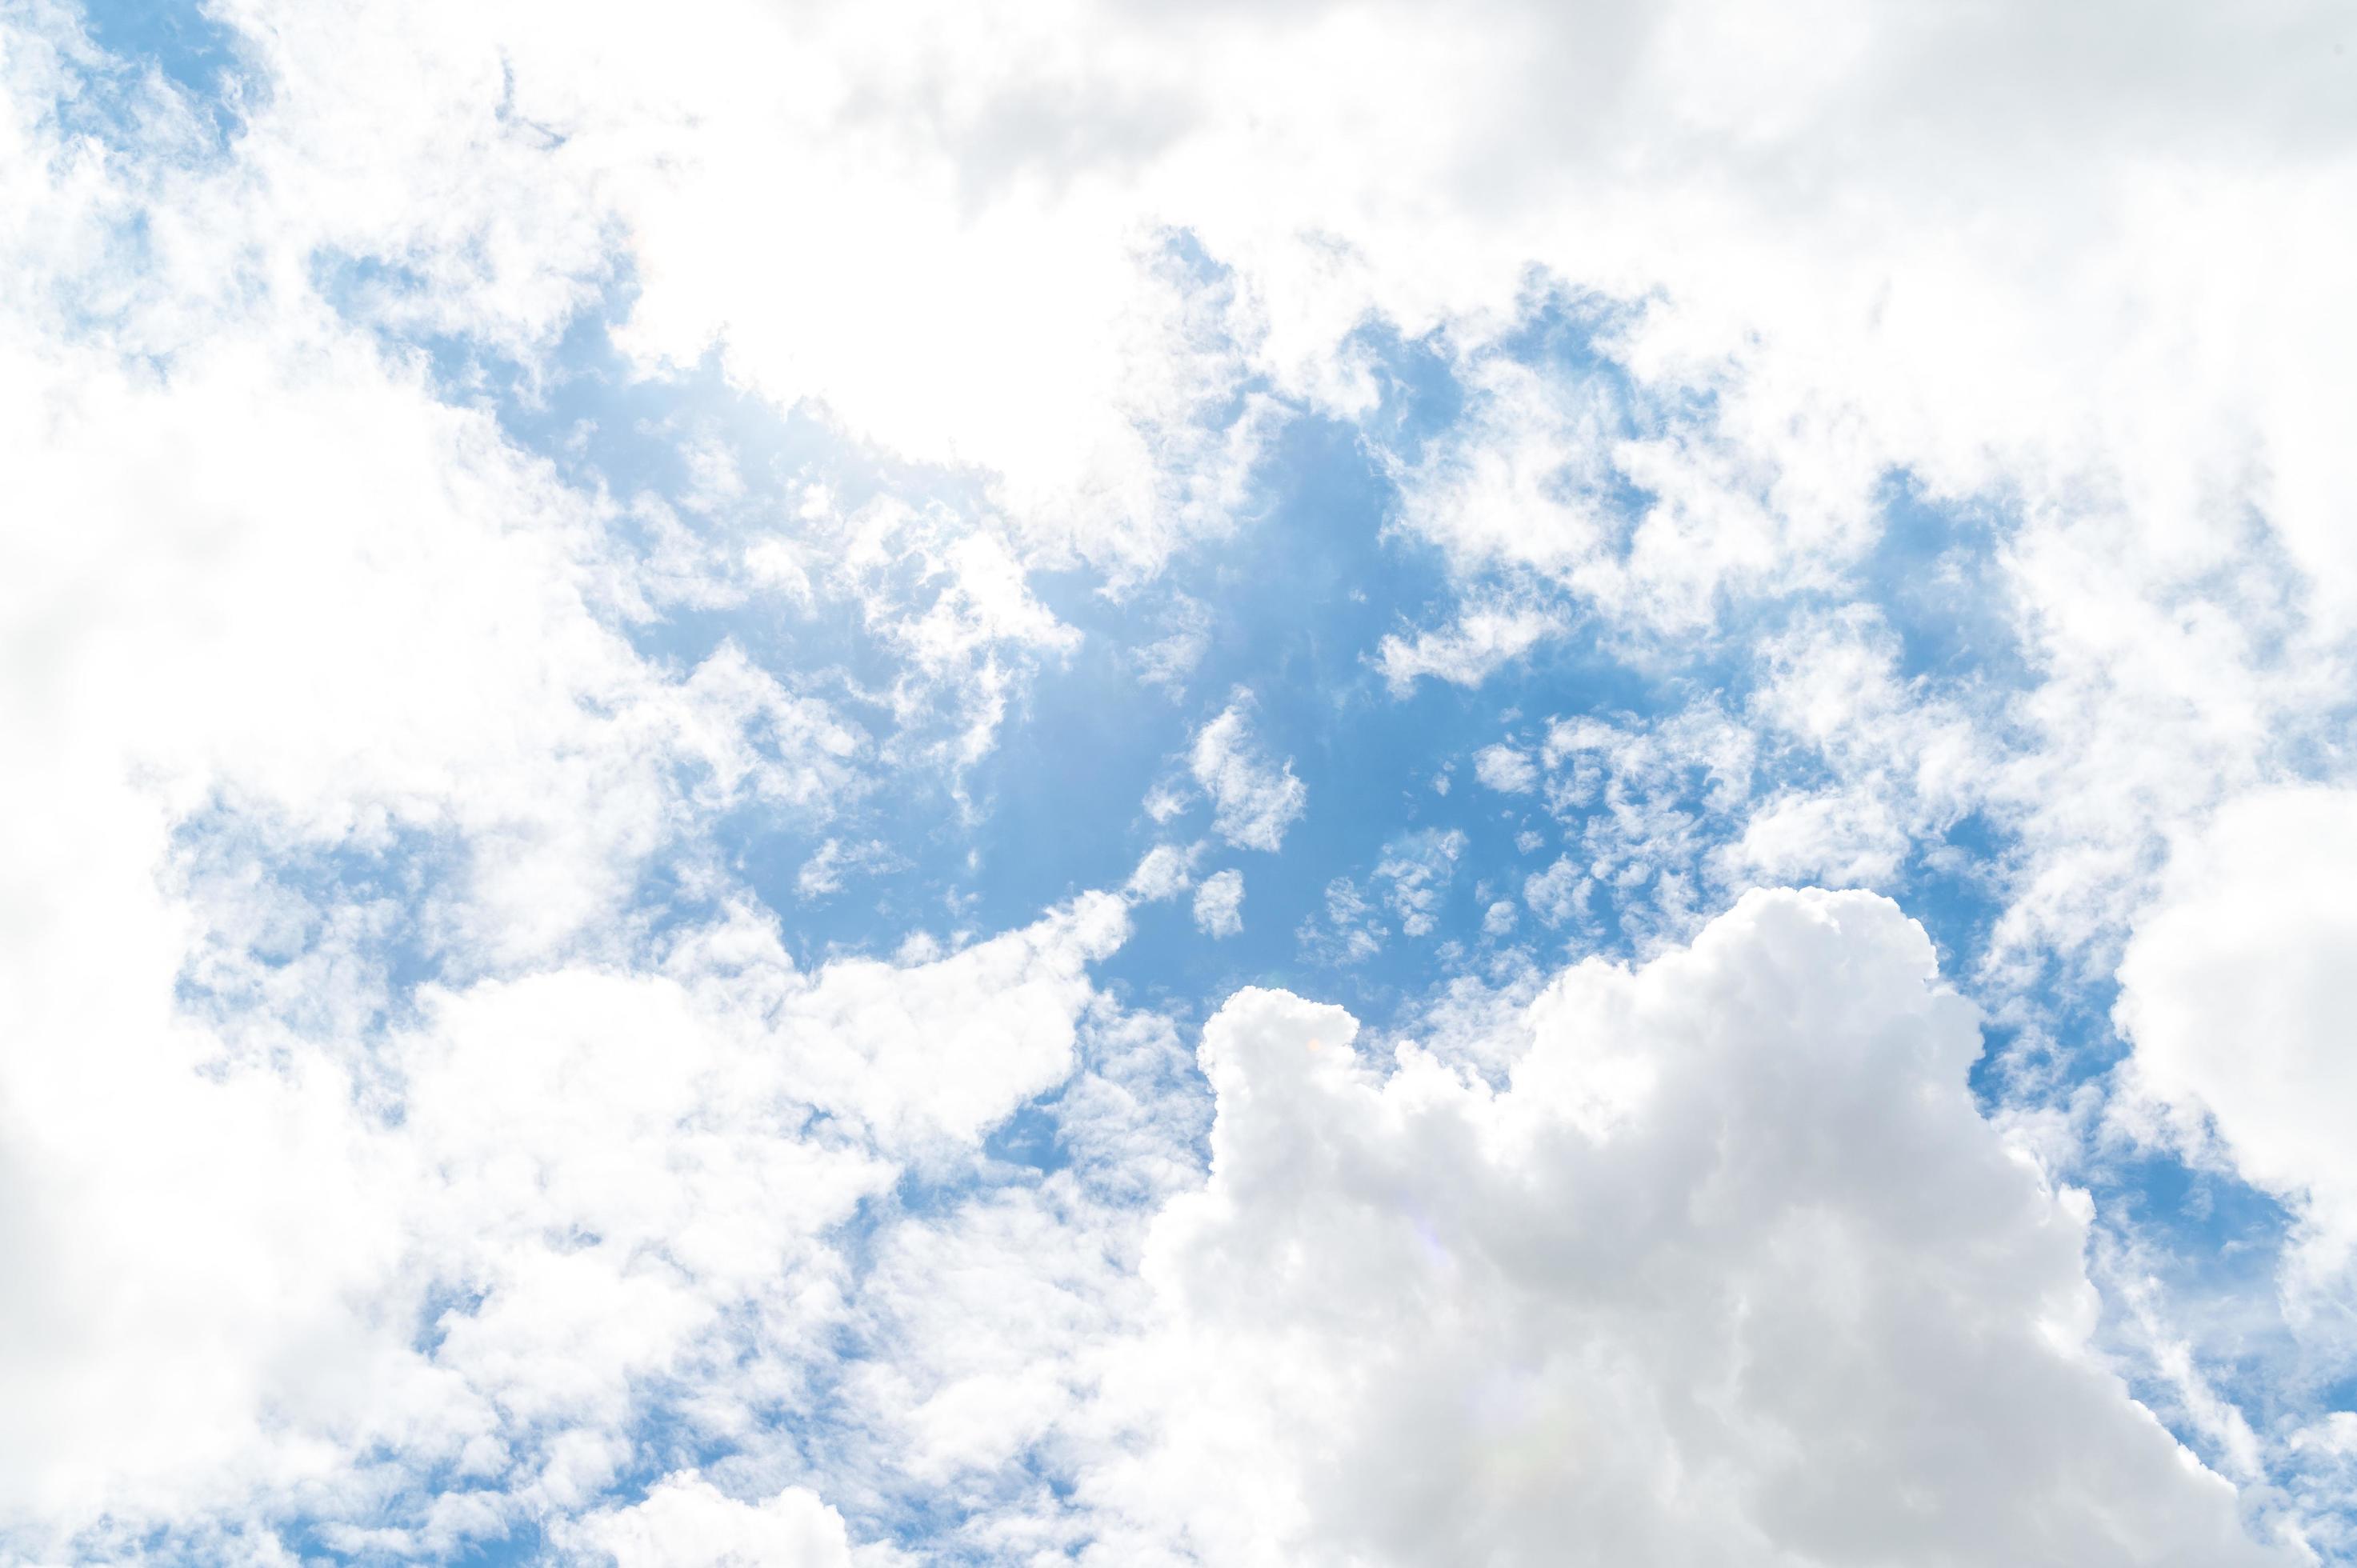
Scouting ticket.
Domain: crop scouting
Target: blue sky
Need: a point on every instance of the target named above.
(651, 653)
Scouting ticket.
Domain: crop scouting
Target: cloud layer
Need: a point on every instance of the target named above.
(638, 647)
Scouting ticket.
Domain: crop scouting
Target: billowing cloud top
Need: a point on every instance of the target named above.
(1729, 1269)
(648, 655)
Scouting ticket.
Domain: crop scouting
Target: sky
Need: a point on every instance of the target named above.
(865, 785)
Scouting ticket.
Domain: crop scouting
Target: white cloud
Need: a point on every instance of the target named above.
(954, 600)
(938, 1052)
(1832, 838)
(1838, 311)
(1850, 270)
(317, 613)
(1165, 801)
(1167, 869)
(1559, 893)
(1506, 769)
(1253, 800)
(685, 1521)
(2235, 990)
(1483, 641)
(1219, 904)
(1730, 1270)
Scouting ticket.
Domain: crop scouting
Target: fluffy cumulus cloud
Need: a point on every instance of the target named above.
(1166, 870)
(1728, 1269)
(634, 645)
(686, 1522)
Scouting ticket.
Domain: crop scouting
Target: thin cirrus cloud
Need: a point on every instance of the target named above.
(591, 599)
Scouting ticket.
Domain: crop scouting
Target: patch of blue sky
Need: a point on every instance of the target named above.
(1307, 587)
(1299, 595)
(1032, 1139)
(1570, 334)
(1936, 575)
(179, 44)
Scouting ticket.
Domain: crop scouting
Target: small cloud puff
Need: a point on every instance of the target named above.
(1167, 869)
(1253, 800)
(1482, 640)
(1505, 769)
(1165, 801)
(1219, 904)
